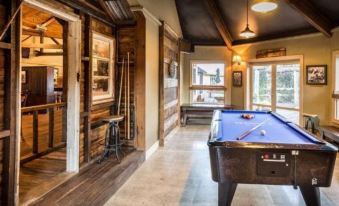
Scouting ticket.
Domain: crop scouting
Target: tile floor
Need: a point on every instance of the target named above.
(179, 174)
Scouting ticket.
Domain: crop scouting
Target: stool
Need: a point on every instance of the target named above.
(311, 122)
(112, 139)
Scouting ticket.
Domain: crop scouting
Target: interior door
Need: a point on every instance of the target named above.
(262, 87)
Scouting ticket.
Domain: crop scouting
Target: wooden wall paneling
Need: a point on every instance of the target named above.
(140, 79)
(11, 111)
(169, 86)
(65, 79)
(87, 87)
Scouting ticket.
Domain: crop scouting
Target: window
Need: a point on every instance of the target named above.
(336, 86)
(102, 66)
(207, 82)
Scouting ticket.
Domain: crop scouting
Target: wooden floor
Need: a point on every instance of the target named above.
(94, 184)
(27, 132)
(41, 175)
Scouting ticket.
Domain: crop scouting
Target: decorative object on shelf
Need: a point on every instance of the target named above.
(102, 68)
(172, 69)
(264, 53)
(237, 78)
(316, 74)
(247, 32)
(236, 59)
(264, 6)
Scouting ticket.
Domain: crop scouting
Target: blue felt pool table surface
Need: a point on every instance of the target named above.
(278, 130)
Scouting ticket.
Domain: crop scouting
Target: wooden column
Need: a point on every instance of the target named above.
(88, 87)
(11, 112)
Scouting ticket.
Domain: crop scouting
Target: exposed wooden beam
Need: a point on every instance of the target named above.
(7, 25)
(186, 46)
(25, 39)
(215, 14)
(42, 46)
(312, 15)
(48, 22)
(55, 40)
(4, 45)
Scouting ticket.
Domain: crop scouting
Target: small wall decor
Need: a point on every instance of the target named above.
(237, 78)
(316, 74)
(271, 53)
(172, 70)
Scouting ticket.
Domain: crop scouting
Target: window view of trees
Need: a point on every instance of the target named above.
(262, 81)
(210, 76)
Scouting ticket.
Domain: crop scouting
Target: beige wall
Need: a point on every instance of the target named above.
(205, 53)
(316, 49)
(152, 82)
(164, 10)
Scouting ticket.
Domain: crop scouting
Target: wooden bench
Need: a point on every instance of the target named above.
(329, 132)
(201, 113)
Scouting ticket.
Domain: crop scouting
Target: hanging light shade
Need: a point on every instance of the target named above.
(247, 32)
(264, 6)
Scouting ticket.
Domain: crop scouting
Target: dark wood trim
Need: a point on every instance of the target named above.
(279, 35)
(88, 87)
(42, 107)
(4, 45)
(81, 6)
(186, 46)
(214, 12)
(312, 15)
(220, 88)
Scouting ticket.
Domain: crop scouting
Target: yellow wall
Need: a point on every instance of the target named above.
(205, 53)
(152, 82)
(316, 49)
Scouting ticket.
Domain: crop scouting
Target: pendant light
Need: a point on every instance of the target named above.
(264, 6)
(247, 32)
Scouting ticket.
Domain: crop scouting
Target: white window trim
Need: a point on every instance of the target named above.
(227, 96)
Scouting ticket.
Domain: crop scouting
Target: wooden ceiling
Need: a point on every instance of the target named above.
(219, 22)
(32, 19)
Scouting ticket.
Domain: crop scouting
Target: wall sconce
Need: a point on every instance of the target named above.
(237, 59)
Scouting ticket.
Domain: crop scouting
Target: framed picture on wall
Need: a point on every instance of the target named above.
(237, 78)
(102, 68)
(316, 74)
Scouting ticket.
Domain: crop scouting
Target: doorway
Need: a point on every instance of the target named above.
(276, 86)
(50, 98)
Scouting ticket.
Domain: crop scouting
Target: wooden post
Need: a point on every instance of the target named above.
(88, 88)
(50, 127)
(120, 89)
(35, 132)
(128, 100)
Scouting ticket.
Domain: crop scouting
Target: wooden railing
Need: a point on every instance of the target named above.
(35, 146)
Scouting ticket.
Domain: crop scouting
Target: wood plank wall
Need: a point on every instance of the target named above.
(169, 86)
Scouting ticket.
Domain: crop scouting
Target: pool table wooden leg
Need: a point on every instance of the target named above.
(226, 192)
(311, 195)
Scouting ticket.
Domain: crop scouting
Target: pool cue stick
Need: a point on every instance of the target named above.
(121, 80)
(243, 135)
(128, 103)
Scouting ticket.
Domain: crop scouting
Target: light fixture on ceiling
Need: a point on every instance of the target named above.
(264, 6)
(247, 32)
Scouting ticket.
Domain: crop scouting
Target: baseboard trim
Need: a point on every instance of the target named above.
(151, 150)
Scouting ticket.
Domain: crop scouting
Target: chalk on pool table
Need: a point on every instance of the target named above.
(262, 132)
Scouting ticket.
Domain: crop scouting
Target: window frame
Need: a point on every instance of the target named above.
(204, 87)
(334, 98)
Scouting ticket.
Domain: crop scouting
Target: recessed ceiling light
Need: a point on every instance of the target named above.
(264, 6)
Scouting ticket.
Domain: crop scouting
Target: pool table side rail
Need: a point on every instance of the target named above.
(216, 125)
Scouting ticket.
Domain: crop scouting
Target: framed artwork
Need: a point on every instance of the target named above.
(102, 68)
(23, 77)
(237, 78)
(316, 74)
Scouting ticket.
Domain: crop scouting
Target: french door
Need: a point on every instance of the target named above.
(276, 87)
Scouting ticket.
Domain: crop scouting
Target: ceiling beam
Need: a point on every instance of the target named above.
(312, 15)
(41, 46)
(216, 16)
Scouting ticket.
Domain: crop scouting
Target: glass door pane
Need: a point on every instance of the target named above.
(262, 86)
(288, 85)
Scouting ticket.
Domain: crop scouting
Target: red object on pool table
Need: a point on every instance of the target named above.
(292, 156)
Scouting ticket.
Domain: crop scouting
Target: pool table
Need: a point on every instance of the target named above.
(271, 150)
